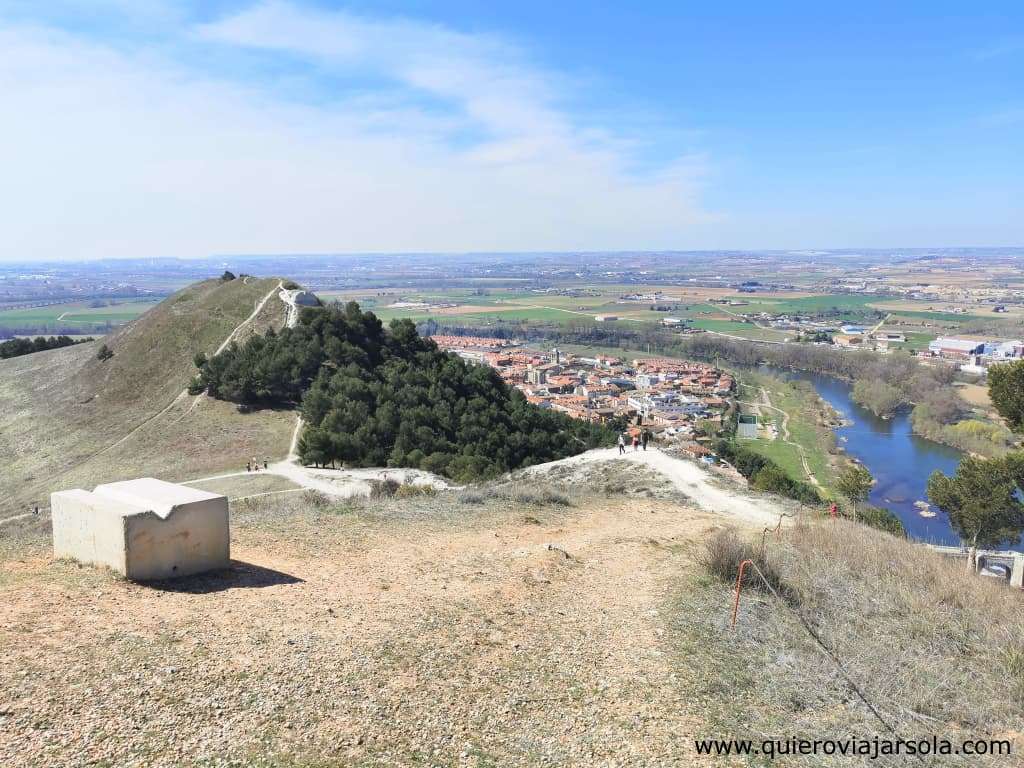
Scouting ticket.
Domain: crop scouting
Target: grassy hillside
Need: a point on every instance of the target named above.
(935, 650)
(65, 415)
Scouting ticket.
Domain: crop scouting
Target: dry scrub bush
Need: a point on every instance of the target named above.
(409, 491)
(938, 651)
(534, 496)
(316, 499)
(724, 552)
(383, 489)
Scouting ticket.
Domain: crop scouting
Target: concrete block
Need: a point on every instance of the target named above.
(144, 529)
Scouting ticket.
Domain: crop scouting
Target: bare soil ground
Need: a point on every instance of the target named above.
(976, 395)
(461, 630)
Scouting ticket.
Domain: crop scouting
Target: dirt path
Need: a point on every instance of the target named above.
(708, 492)
(184, 393)
(689, 479)
(766, 404)
(575, 312)
(742, 338)
(530, 638)
(880, 323)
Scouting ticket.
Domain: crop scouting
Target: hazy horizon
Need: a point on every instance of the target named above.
(170, 128)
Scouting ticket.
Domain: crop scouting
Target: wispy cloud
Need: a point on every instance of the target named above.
(416, 137)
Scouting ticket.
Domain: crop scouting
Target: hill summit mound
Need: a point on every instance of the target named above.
(68, 417)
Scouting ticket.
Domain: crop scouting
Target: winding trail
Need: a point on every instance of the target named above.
(184, 393)
(766, 402)
(224, 345)
(687, 477)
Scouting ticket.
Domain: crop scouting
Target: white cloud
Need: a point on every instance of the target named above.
(135, 152)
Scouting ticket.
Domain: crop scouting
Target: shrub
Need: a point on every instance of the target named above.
(537, 497)
(316, 499)
(724, 552)
(228, 276)
(410, 490)
(383, 489)
(880, 518)
(196, 386)
(543, 497)
(104, 353)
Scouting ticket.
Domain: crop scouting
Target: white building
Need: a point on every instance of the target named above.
(666, 403)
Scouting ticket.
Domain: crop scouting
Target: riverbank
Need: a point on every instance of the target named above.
(800, 437)
(899, 460)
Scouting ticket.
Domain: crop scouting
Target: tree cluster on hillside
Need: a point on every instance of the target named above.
(1006, 390)
(18, 347)
(983, 500)
(376, 397)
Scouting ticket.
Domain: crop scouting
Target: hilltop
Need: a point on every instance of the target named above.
(68, 418)
(562, 616)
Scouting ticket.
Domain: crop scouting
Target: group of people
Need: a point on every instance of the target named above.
(640, 440)
(253, 465)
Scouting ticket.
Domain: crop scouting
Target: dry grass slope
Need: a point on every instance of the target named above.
(937, 651)
(527, 624)
(62, 411)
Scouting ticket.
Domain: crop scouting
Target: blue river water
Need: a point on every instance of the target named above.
(899, 460)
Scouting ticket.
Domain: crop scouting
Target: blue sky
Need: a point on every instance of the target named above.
(159, 128)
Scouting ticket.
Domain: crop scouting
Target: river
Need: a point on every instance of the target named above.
(899, 460)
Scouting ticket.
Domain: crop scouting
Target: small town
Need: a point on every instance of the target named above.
(667, 395)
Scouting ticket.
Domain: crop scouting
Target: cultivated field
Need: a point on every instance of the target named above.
(78, 316)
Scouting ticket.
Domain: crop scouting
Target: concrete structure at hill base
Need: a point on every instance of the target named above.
(144, 529)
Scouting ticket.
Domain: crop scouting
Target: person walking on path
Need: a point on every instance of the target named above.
(622, 444)
(644, 437)
(636, 443)
(248, 466)
(266, 463)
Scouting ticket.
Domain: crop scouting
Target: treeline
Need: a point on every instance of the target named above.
(376, 397)
(18, 347)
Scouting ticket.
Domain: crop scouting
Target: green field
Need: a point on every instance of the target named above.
(77, 315)
(737, 328)
(939, 317)
(800, 403)
(806, 304)
(917, 341)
